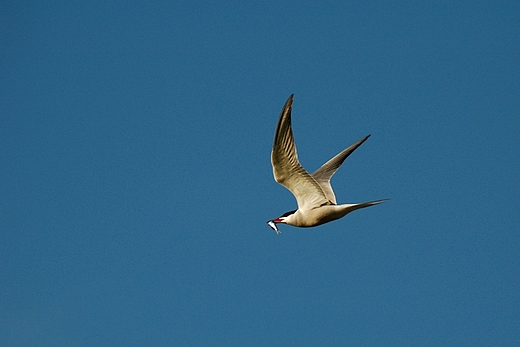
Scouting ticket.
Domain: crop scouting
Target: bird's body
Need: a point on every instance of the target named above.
(313, 192)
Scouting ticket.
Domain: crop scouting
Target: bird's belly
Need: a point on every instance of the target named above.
(323, 214)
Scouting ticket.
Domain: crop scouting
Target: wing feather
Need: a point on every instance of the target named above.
(287, 169)
(327, 170)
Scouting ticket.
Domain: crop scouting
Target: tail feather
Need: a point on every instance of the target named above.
(366, 204)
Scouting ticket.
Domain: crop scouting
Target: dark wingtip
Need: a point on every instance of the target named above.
(286, 113)
(288, 104)
(359, 143)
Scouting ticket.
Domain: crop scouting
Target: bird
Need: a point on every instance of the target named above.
(313, 192)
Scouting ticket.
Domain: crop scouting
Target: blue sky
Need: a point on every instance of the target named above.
(136, 181)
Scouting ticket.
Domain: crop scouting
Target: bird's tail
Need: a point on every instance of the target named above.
(366, 204)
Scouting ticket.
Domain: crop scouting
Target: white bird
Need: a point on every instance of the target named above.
(313, 192)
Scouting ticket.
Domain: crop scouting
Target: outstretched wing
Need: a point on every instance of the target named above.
(325, 172)
(287, 169)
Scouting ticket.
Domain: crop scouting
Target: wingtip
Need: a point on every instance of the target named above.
(288, 105)
(360, 142)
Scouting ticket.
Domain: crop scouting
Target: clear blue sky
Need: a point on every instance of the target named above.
(136, 179)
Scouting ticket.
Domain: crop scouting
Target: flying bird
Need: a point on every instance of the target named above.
(313, 192)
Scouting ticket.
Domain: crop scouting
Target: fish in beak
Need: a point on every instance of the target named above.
(273, 226)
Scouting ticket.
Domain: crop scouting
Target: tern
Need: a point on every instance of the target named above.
(313, 192)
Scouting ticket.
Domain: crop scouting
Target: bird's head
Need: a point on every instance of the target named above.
(282, 219)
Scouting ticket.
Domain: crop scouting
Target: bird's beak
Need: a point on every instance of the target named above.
(273, 226)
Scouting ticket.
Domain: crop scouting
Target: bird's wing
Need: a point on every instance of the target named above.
(287, 169)
(325, 172)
